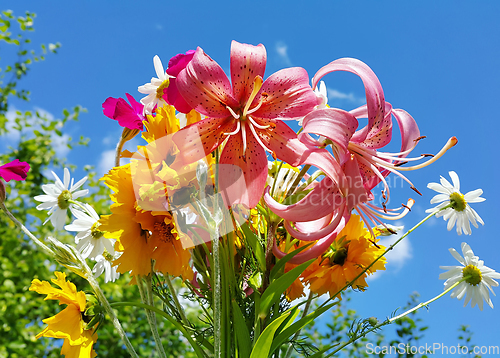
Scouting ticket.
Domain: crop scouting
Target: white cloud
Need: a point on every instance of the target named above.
(401, 253)
(106, 162)
(282, 51)
(333, 94)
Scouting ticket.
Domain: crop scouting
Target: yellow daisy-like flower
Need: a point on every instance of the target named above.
(67, 324)
(144, 192)
(351, 253)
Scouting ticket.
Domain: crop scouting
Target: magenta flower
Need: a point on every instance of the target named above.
(171, 93)
(249, 112)
(128, 115)
(14, 170)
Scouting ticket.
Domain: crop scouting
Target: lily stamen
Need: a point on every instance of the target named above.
(257, 84)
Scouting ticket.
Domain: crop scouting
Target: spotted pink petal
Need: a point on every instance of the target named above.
(252, 164)
(374, 94)
(373, 137)
(355, 191)
(14, 170)
(332, 123)
(247, 62)
(201, 138)
(288, 95)
(205, 86)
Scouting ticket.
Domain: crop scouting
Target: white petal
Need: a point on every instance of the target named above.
(455, 179)
(66, 178)
(474, 196)
(79, 193)
(79, 184)
(439, 188)
(160, 72)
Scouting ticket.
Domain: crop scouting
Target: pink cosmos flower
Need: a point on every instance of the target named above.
(249, 115)
(128, 115)
(14, 170)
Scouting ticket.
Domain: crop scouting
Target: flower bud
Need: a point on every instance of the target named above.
(2, 192)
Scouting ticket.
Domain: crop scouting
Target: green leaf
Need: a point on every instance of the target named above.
(257, 248)
(279, 286)
(242, 335)
(281, 262)
(263, 344)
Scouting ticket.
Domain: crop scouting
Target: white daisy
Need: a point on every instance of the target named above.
(479, 279)
(104, 264)
(89, 240)
(460, 211)
(154, 89)
(58, 196)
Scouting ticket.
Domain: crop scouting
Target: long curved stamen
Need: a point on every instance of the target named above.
(378, 174)
(451, 142)
(257, 84)
(258, 125)
(244, 137)
(406, 210)
(233, 113)
(238, 125)
(257, 138)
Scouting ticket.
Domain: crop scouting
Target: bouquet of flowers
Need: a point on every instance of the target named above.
(248, 219)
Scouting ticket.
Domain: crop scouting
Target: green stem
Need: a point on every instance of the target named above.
(383, 254)
(105, 303)
(217, 294)
(304, 313)
(298, 179)
(390, 320)
(199, 352)
(44, 247)
(151, 315)
(176, 300)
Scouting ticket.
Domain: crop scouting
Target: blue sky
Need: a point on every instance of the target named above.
(437, 60)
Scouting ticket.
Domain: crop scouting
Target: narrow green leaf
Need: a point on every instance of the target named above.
(242, 335)
(257, 248)
(262, 346)
(281, 262)
(279, 286)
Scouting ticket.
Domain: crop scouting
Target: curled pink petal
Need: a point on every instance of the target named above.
(373, 89)
(332, 123)
(14, 170)
(128, 115)
(319, 248)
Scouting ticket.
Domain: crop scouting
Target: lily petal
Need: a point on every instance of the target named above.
(205, 86)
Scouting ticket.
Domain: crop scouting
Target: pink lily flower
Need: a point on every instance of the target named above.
(128, 115)
(14, 170)
(249, 115)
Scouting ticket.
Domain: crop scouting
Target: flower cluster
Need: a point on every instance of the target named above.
(224, 195)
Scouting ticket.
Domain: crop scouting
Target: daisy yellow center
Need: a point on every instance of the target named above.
(458, 202)
(107, 255)
(165, 231)
(473, 275)
(63, 199)
(159, 90)
(95, 232)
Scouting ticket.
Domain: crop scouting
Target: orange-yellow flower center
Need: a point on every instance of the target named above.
(164, 231)
(159, 90)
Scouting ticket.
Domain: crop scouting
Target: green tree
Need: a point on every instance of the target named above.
(22, 311)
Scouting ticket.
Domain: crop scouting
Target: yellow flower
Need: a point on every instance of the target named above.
(67, 324)
(351, 253)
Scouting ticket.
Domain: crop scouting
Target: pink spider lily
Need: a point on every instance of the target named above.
(14, 170)
(128, 115)
(248, 115)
